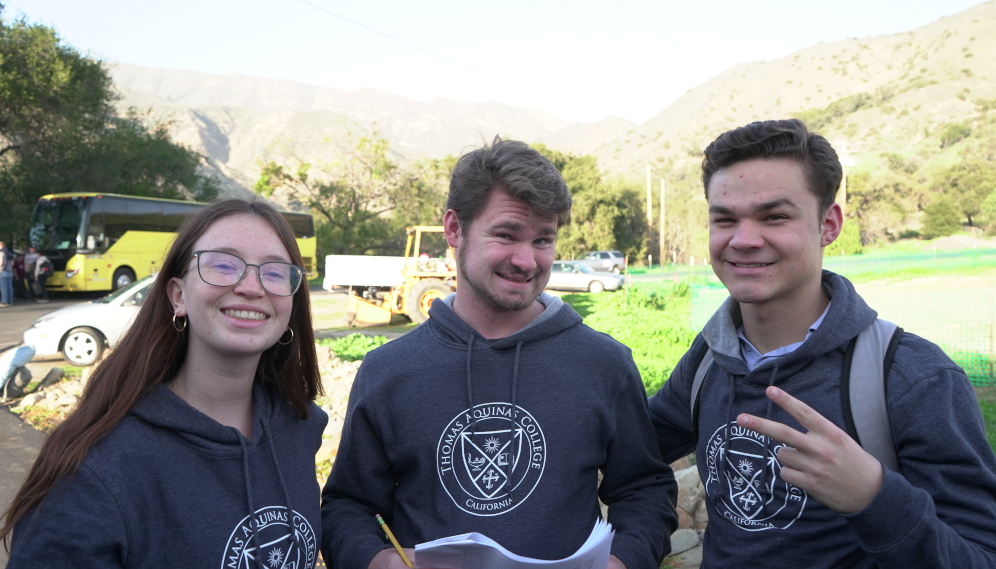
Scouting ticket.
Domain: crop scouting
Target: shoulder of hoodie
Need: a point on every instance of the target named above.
(917, 360)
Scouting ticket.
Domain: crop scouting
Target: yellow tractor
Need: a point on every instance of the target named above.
(425, 280)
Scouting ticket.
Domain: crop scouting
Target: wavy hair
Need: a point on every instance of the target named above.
(773, 139)
(140, 363)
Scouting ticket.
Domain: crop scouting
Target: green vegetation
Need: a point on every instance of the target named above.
(651, 321)
(941, 218)
(60, 132)
(353, 347)
(361, 199)
(847, 243)
(988, 407)
(605, 215)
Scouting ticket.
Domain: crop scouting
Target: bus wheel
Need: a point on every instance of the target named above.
(123, 277)
(82, 346)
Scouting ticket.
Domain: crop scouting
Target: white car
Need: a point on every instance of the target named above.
(575, 275)
(81, 332)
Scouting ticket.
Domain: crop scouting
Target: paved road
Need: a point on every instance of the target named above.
(14, 320)
(19, 444)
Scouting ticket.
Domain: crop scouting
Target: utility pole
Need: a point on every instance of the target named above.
(661, 234)
(650, 223)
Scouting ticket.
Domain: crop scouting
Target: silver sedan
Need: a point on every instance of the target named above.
(572, 275)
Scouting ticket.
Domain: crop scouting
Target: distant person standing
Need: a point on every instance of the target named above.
(43, 270)
(30, 260)
(20, 291)
(6, 276)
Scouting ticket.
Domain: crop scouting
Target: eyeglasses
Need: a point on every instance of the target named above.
(224, 269)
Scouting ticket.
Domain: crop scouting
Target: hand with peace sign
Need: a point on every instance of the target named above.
(824, 461)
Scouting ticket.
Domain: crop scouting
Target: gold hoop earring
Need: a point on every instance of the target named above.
(288, 341)
(180, 328)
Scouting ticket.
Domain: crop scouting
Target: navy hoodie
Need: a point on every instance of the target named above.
(172, 487)
(938, 511)
(431, 443)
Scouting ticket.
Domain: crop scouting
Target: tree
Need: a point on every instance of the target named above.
(967, 183)
(848, 242)
(941, 218)
(602, 213)
(363, 199)
(59, 132)
(989, 211)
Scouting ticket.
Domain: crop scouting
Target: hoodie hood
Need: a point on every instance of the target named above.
(847, 317)
(557, 317)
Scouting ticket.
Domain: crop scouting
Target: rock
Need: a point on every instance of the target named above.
(701, 512)
(73, 388)
(30, 400)
(52, 395)
(334, 428)
(683, 540)
(687, 478)
(700, 526)
(688, 497)
(54, 376)
(85, 375)
(65, 401)
(685, 520)
(680, 464)
(690, 559)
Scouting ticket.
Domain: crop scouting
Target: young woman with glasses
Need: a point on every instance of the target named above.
(194, 441)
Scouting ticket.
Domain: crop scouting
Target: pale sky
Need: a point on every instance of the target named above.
(577, 59)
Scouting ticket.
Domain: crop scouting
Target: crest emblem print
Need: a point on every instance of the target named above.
(489, 461)
(746, 474)
(285, 540)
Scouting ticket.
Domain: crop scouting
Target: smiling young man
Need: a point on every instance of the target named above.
(786, 485)
(497, 414)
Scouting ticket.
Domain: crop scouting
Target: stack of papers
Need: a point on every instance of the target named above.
(476, 551)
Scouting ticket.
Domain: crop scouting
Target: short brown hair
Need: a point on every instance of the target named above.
(778, 139)
(511, 165)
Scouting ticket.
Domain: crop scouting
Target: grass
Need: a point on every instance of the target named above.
(989, 418)
(651, 320)
(353, 347)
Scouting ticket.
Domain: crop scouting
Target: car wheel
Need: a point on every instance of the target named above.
(596, 286)
(123, 277)
(82, 346)
(616, 269)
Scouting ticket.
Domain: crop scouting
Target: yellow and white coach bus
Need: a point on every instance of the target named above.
(107, 241)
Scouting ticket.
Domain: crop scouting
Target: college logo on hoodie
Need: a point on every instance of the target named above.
(488, 461)
(284, 537)
(745, 477)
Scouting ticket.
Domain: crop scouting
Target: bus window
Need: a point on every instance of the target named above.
(115, 219)
(145, 215)
(301, 224)
(175, 213)
(55, 224)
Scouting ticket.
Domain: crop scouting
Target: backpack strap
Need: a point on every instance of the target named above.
(704, 364)
(864, 390)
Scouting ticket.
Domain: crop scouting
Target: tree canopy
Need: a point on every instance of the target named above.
(59, 132)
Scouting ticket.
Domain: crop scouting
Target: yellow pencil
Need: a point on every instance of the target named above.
(394, 541)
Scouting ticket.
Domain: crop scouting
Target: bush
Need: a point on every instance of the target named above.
(652, 323)
(354, 346)
(848, 242)
(941, 218)
(955, 133)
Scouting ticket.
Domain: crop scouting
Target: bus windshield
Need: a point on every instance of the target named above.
(55, 224)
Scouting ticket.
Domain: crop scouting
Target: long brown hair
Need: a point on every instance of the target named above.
(139, 363)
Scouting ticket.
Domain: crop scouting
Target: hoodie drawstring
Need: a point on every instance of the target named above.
(280, 479)
(511, 421)
(252, 507)
(767, 447)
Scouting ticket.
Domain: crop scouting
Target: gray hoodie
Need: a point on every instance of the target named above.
(448, 433)
(938, 511)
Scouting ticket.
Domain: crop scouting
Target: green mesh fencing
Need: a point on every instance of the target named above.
(961, 322)
(884, 262)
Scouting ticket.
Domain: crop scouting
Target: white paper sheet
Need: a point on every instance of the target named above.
(476, 551)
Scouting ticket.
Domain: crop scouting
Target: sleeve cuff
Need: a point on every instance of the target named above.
(893, 516)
